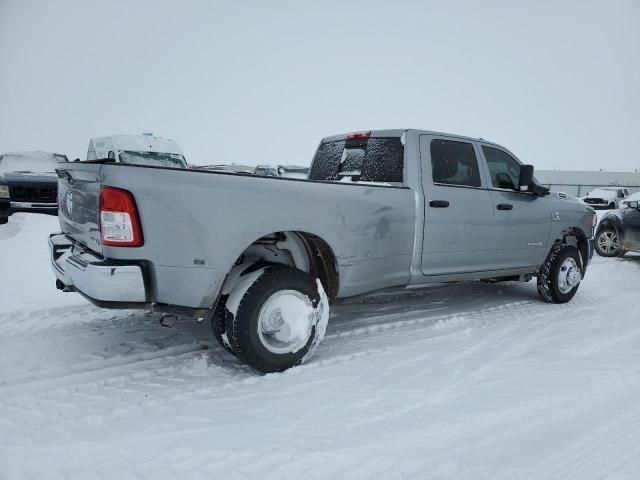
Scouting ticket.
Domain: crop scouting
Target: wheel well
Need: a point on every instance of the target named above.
(576, 237)
(302, 250)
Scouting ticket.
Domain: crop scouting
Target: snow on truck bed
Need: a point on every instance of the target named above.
(469, 381)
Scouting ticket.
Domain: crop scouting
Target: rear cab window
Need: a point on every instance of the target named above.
(373, 160)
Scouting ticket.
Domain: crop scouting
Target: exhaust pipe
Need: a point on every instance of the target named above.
(61, 286)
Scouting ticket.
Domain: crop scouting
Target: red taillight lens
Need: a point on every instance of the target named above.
(359, 135)
(119, 222)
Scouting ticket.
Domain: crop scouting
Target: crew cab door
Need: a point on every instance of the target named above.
(522, 220)
(458, 227)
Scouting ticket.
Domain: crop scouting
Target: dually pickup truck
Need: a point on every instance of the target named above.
(262, 258)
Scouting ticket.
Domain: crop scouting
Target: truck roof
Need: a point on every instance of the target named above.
(398, 132)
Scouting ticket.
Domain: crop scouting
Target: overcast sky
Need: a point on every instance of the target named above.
(557, 82)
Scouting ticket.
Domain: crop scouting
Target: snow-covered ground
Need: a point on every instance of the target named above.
(469, 381)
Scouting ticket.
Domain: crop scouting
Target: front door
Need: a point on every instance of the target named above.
(522, 220)
(458, 228)
(631, 228)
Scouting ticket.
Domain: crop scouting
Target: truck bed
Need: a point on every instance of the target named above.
(196, 224)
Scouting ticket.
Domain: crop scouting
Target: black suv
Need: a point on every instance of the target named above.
(28, 183)
(619, 231)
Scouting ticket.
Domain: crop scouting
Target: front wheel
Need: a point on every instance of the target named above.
(608, 243)
(560, 275)
(279, 320)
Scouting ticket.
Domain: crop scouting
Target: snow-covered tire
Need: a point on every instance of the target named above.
(558, 273)
(279, 320)
(607, 243)
(218, 322)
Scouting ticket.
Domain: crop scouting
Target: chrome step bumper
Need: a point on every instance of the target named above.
(101, 281)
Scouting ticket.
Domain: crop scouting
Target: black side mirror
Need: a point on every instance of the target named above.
(526, 177)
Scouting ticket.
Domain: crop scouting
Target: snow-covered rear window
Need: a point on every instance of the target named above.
(378, 160)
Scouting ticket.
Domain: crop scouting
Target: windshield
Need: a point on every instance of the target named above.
(155, 159)
(28, 163)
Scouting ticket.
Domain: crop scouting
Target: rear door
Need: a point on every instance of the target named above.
(78, 202)
(522, 220)
(458, 232)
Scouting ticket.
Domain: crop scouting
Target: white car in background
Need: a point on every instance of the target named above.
(145, 149)
(606, 198)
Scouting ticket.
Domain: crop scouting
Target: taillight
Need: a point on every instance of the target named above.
(119, 223)
(359, 135)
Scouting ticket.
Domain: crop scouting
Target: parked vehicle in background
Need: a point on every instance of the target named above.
(144, 149)
(288, 171)
(28, 183)
(262, 256)
(619, 231)
(231, 168)
(633, 197)
(606, 197)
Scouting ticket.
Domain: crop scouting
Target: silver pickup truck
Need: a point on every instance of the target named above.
(263, 257)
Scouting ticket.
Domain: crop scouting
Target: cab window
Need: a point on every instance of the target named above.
(454, 163)
(504, 169)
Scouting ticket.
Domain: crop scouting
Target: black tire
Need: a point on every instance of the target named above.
(242, 329)
(218, 322)
(4, 220)
(602, 249)
(548, 276)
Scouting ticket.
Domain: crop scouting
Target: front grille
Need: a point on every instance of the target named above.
(34, 194)
(594, 200)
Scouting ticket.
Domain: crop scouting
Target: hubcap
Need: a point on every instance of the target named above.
(569, 275)
(608, 242)
(285, 322)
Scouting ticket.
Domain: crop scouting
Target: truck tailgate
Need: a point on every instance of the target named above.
(79, 203)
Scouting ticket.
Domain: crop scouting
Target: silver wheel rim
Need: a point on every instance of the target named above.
(608, 242)
(285, 322)
(569, 275)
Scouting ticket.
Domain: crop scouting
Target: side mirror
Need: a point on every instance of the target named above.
(526, 177)
(111, 155)
(634, 204)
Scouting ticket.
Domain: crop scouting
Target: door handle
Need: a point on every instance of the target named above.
(505, 206)
(439, 203)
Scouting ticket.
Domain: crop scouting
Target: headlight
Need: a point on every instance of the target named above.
(4, 191)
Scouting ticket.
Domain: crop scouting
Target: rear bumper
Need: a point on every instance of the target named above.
(105, 283)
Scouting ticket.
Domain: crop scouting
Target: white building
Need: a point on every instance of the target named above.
(579, 183)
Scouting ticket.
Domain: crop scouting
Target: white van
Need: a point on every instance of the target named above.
(144, 149)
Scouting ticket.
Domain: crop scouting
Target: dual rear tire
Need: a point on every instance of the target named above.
(276, 321)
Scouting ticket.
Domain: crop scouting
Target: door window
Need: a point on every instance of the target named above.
(454, 163)
(504, 169)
